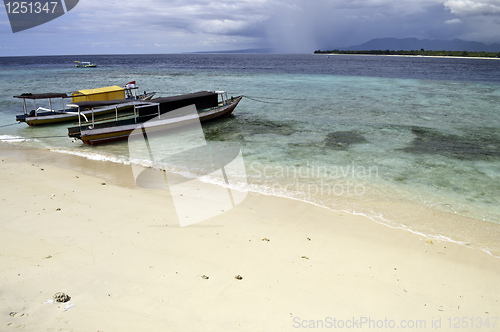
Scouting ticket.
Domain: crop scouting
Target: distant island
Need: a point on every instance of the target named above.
(420, 47)
(422, 52)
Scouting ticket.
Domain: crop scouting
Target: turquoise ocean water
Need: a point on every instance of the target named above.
(397, 139)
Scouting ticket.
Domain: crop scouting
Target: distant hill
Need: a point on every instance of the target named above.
(249, 50)
(408, 44)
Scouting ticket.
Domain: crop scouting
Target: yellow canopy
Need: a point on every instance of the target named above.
(106, 93)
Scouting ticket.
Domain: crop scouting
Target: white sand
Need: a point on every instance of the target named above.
(417, 56)
(120, 254)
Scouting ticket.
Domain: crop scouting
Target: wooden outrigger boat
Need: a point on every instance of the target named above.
(42, 115)
(148, 116)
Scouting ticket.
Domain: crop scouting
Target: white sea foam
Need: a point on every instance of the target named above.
(93, 155)
(374, 217)
(12, 139)
(243, 186)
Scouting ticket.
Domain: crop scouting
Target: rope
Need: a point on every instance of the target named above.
(24, 138)
(261, 101)
(268, 102)
(276, 98)
(47, 136)
(10, 124)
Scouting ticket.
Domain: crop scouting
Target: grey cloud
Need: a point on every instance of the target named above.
(473, 7)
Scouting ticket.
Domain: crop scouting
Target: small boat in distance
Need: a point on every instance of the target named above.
(43, 115)
(84, 64)
(148, 114)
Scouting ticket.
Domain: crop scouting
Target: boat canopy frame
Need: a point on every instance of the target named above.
(38, 96)
(223, 94)
(137, 104)
(115, 103)
(129, 91)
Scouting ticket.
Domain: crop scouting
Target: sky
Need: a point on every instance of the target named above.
(286, 26)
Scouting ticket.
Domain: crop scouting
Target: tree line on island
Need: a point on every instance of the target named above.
(422, 52)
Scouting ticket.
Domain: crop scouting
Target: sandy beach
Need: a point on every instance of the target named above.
(270, 264)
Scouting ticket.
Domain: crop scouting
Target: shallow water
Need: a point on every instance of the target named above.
(355, 133)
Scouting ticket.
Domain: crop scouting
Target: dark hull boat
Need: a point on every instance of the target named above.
(152, 116)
